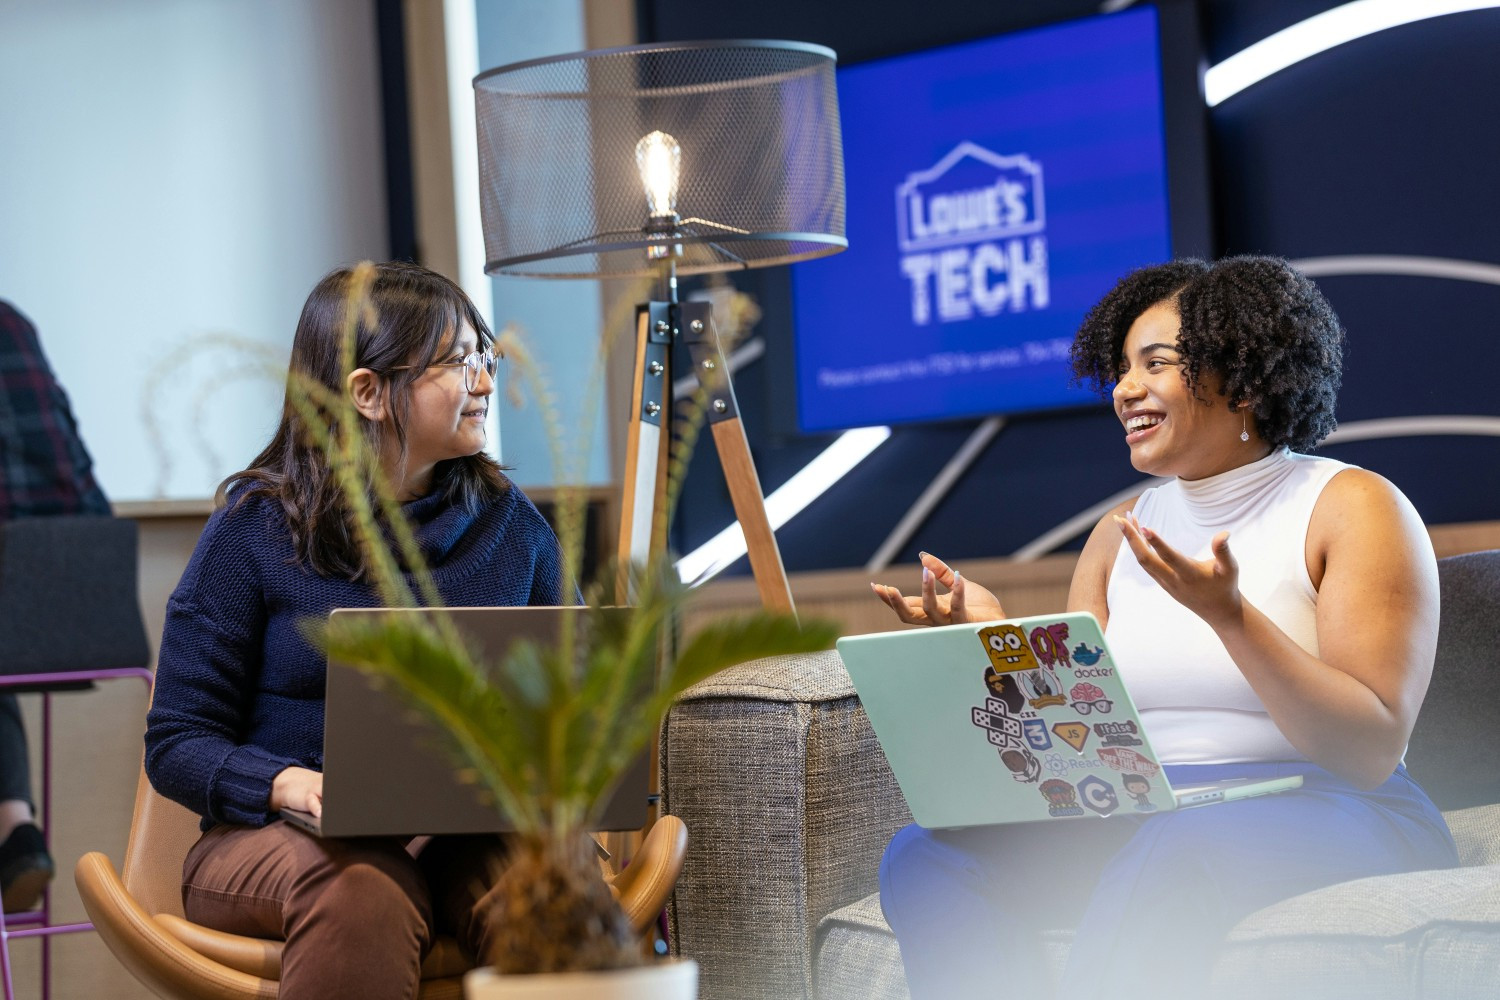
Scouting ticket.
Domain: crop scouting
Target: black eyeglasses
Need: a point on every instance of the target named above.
(472, 364)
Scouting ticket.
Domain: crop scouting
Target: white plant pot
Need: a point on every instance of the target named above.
(676, 979)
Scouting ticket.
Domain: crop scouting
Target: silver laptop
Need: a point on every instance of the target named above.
(1016, 721)
(387, 769)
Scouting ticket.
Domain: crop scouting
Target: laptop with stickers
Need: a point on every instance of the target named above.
(1015, 721)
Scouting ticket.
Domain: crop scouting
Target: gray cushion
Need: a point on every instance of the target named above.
(857, 956)
(1454, 735)
(1476, 831)
(1418, 936)
(789, 804)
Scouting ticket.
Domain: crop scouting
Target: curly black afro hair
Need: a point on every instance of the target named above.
(1264, 329)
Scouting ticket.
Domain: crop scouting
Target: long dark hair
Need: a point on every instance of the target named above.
(418, 314)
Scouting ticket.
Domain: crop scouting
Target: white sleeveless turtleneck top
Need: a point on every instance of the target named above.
(1193, 700)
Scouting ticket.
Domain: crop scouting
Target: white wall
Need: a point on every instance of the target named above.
(562, 320)
(177, 168)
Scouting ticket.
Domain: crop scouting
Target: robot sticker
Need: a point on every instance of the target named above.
(1138, 788)
(1118, 734)
(1035, 731)
(1090, 698)
(1006, 688)
(1001, 729)
(1129, 761)
(1007, 649)
(1098, 795)
(1061, 799)
(1074, 734)
(1023, 765)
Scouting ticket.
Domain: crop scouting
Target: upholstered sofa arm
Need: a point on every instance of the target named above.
(788, 803)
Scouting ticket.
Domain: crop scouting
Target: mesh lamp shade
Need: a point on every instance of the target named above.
(759, 166)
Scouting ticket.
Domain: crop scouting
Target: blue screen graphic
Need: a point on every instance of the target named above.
(995, 190)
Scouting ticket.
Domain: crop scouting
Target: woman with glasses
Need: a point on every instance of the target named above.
(235, 731)
(1274, 614)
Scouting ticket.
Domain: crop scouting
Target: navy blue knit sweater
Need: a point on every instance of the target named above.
(239, 692)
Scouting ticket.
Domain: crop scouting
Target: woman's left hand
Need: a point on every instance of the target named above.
(1209, 588)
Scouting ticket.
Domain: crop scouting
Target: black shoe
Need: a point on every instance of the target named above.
(25, 868)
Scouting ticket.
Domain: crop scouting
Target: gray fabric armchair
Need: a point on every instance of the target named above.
(773, 767)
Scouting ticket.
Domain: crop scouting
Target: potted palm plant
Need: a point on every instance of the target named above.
(549, 729)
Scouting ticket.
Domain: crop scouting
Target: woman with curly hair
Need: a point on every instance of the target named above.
(1274, 614)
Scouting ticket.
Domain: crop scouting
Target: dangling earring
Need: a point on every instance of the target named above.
(1244, 425)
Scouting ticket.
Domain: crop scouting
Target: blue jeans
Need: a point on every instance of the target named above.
(1151, 896)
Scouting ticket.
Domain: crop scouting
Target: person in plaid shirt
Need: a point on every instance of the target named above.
(44, 470)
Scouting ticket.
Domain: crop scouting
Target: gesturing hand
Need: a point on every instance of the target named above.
(297, 788)
(1209, 588)
(964, 602)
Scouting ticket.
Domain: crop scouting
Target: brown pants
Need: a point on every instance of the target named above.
(357, 916)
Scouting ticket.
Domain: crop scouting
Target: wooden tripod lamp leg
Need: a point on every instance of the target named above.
(734, 457)
(648, 440)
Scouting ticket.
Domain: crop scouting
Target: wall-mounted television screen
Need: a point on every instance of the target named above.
(995, 190)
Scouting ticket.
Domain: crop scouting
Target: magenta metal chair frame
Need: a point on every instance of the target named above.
(37, 923)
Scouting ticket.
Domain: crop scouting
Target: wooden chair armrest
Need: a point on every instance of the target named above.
(645, 884)
(165, 964)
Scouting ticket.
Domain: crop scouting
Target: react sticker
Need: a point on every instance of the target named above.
(1061, 799)
(1007, 649)
(1074, 734)
(1098, 795)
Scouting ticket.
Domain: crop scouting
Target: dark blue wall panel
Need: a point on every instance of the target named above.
(1386, 145)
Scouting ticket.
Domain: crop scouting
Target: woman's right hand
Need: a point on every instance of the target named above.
(297, 788)
(964, 602)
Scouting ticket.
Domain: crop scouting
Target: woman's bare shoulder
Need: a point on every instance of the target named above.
(1363, 520)
(1358, 500)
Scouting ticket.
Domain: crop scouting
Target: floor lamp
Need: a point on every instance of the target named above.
(664, 160)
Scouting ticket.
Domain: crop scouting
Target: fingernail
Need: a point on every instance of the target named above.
(926, 574)
(922, 555)
(957, 576)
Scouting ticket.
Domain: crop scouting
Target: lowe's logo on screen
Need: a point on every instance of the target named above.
(972, 234)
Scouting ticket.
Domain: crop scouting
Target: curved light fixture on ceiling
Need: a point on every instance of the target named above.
(1405, 266)
(1320, 33)
(812, 481)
